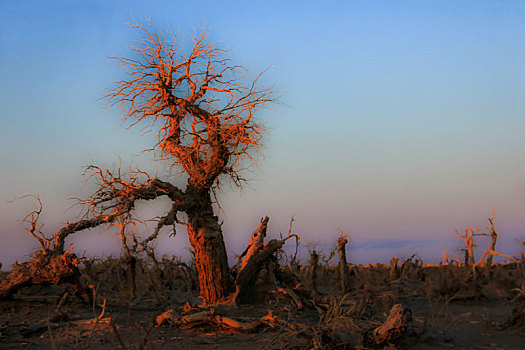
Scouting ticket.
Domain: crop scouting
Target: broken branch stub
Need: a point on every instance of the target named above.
(257, 254)
(344, 273)
(245, 283)
(256, 242)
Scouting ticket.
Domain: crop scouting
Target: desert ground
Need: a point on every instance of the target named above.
(295, 305)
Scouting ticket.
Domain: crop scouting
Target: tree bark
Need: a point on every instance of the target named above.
(206, 238)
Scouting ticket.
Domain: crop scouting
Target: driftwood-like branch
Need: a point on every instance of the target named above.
(169, 219)
(210, 317)
(35, 228)
(69, 229)
(112, 202)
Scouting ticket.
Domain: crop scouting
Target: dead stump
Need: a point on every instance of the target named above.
(393, 330)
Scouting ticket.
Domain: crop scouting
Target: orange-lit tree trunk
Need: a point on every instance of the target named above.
(211, 259)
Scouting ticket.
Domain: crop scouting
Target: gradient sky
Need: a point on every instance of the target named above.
(401, 121)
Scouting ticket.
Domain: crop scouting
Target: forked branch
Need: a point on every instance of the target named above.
(35, 228)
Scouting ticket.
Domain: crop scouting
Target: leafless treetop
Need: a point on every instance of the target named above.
(201, 106)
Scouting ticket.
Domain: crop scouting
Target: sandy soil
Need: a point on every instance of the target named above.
(39, 318)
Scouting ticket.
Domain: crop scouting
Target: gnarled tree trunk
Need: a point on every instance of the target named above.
(211, 259)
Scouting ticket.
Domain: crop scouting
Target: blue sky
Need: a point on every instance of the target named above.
(400, 122)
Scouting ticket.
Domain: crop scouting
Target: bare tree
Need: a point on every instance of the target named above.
(344, 273)
(493, 237)
(201, 109)
(469, 236)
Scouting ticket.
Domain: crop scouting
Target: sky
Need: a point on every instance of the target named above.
(400, 122)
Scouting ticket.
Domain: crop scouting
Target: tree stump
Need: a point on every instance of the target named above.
(344, 274)
(393, 330)
(314, 265)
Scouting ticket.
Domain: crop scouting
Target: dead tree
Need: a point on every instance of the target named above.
(394, 273)
(469, 236)
(314, 266)
(493, 238)
(202, 109)
(344, 274)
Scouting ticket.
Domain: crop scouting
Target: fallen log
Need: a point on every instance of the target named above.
(171, 317)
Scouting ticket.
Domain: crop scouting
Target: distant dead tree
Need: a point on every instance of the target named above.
(493, 237)
(468, 237)
(344, 273)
